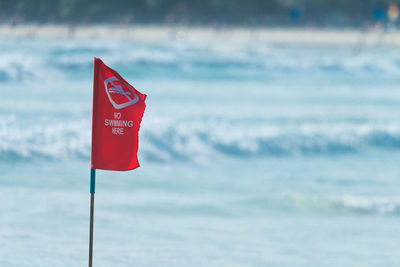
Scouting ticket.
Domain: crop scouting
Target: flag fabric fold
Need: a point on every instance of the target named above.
(117, 113)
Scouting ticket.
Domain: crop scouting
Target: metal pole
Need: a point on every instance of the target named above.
(92, 186)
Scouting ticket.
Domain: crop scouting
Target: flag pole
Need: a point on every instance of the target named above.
(92, 186)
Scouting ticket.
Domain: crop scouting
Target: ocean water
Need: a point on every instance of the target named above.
(252, 154)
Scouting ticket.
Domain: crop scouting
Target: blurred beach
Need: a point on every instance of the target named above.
(158, 33)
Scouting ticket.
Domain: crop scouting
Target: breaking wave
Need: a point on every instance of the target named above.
(347, 204)
(187, 60)
(199, 140)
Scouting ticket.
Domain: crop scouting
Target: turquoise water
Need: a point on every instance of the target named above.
(251, 155)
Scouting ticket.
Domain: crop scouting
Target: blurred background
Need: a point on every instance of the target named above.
(332, 13)
(271, 135)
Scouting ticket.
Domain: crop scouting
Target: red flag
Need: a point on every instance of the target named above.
(117, 112)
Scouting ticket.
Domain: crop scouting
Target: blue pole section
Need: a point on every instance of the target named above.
(92, 186)
(92, 180)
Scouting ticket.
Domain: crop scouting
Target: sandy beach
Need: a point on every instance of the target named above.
(148, 33)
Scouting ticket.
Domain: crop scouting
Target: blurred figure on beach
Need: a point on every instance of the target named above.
(295, 15)
(393, 15)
